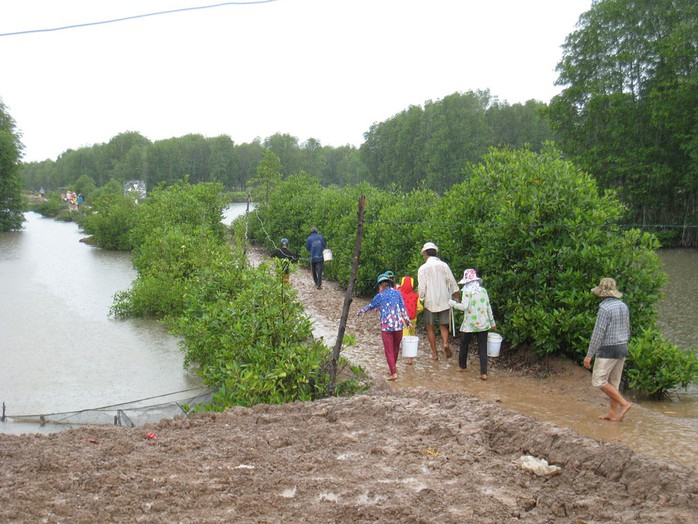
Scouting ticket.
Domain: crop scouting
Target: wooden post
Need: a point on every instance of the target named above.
(349, 295)
(247, 214)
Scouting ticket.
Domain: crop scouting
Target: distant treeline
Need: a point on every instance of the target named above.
(427, 145)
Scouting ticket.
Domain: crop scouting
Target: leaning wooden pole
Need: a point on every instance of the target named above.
(349, 296)
(247, 215)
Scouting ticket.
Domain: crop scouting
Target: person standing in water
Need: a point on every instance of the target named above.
(609, 344)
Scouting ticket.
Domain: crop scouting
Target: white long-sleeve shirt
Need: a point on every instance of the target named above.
(436, 284)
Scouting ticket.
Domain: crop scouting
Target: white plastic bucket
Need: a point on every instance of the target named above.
(327, 255)
(409, 346)
(494, 344)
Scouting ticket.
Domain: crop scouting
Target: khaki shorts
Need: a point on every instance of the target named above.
(607, 371)
(444, 317)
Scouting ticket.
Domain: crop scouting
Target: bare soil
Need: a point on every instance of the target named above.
(391, 455)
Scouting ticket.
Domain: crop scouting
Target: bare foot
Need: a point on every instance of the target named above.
(434, 356)
(483, 377)
(392, 377)
(624, 410)
(462, 369)
(409, 362)
(607, 416)
(448, 352)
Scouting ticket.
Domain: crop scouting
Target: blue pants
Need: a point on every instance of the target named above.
(316, 268)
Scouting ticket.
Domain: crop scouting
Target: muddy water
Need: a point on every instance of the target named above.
(61, 352)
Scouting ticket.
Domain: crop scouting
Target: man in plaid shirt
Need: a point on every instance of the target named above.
(609, 343)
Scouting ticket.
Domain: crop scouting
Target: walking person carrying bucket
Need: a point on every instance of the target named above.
(394, 318)
(478, 319)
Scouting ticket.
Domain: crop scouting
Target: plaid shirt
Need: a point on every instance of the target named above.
(612, 325)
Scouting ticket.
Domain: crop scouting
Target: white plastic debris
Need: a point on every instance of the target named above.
(538, 466)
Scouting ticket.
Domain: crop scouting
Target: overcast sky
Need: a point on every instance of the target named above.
(324, 69)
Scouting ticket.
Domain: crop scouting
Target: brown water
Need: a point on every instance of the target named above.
(61, 352)
(666, 429)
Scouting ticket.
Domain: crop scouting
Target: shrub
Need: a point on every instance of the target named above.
(542, 237)
(655, 366)
(110, 220)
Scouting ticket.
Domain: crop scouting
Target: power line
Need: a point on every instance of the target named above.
(133, 17)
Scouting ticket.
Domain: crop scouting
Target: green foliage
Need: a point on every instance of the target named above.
(176, 231)
(268, 177)
(655, 366)
(429, 146)
(11, 202)
(252, 338)
(86, 186)
(130, 156)
(541, 236)
(628, 112)
(52, 206)
(533, 224)
(240, 326)
(110, 219)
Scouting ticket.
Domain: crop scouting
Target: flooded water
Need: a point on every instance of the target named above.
(61, 352)
(661, 429)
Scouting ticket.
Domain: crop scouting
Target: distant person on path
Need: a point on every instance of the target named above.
(436, 285)
(412, 305)
(478, 319)
(609, 344)
(394, 318)
(286, 256)
(316, 244)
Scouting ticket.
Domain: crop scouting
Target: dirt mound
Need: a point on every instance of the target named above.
(391, 456)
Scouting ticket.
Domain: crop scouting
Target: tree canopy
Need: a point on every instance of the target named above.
(11, 147)
(430, 146)
(629, 110)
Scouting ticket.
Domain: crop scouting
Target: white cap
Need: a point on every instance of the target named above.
(429, 245)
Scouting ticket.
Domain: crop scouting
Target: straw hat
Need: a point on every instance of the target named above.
(607, 288)
(469, 275)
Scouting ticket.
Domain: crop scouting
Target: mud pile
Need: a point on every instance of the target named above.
(390, 456)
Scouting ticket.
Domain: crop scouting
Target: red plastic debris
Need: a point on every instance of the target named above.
(151, 436)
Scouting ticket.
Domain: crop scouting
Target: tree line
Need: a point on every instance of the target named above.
(453, 131)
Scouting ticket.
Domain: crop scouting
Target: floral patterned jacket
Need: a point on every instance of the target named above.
(391, 309)
(478, 312)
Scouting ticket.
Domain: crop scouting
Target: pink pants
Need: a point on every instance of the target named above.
(391, 344)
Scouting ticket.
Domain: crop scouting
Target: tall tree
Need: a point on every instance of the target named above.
(629, 111)
(268, 176)
(11, 148)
